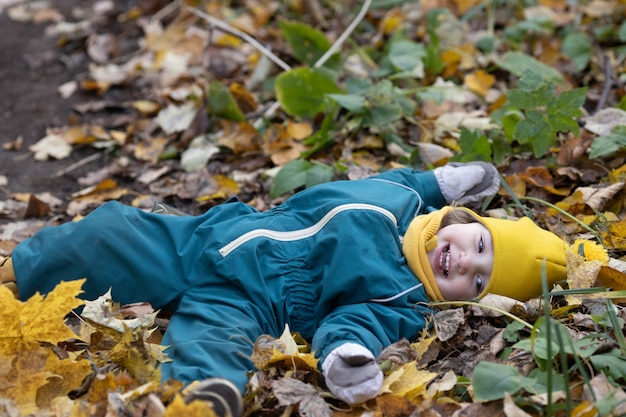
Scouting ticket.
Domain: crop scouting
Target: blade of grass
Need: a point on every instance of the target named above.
(617, 329)
(547, 317)
(474, 303)
(565, 213)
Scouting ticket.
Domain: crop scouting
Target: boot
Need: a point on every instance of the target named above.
(7, 275)
(162, 208)
(221, 393)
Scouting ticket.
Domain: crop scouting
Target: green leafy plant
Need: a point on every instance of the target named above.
(535, 114)
(608, 144)
(300, 173)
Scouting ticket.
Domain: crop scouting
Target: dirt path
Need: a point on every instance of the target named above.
(32, 68)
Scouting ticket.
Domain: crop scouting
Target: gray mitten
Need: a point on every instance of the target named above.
(352, 374)
(464, 183)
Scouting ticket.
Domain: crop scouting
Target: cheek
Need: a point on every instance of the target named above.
(453, 291)
(445, 286)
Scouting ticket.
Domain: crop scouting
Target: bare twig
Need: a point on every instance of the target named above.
(341, 39)
(227, 28)
(169, 8)
(78, 164)
(608, 83)
(321, 61)
(333, 48)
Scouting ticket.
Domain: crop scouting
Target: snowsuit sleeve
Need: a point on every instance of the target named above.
(423, 183)
(373, 325)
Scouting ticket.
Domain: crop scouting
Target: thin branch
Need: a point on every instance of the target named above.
(78, 164)
(322, 60)
(341, 39)
(608, 83)
(227, 28)
(169, 8)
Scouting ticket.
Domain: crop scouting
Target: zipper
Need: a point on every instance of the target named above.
(302, 233)
(394, 297)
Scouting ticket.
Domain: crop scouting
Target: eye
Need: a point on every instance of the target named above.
(479, 284)
(481, 245)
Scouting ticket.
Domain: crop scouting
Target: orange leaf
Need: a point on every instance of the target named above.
(479, 82)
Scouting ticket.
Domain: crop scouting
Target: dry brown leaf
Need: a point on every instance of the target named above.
(539, 176)
(517, 184)
(597, 197)
(611, 279)
(245, 100)
(150, 150)
(600, 388)
(603, 121)
(239, 137)
(290, 391)
(447, 322)
(394, 405)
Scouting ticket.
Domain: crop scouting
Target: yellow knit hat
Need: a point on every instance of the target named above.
(520, 248)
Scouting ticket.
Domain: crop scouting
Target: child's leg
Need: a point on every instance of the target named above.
(212, 335)
(141, 256)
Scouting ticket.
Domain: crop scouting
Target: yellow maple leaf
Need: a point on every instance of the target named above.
(408, 381)
(194, 409)
(26, 324)
(27, 375)
(67, 375)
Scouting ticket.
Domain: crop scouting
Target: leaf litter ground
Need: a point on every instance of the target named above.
(430, 376)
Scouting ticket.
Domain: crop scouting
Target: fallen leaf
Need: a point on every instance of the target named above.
(102, 311)
(26, 324)
(175, 118)
(479, 82)
(408, 381)
(603, 121)
(51, 146)
(580, 273)
(196, 408)
(447, 322)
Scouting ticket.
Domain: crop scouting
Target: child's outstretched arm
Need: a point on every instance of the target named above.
(454, 183)
(349, 339)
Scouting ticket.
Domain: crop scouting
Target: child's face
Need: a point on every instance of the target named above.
(462, 260)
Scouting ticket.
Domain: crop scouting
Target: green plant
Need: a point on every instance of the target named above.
(535, 114)
(608, 144)
(557, 356)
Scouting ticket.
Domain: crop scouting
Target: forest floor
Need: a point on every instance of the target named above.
(32, 70)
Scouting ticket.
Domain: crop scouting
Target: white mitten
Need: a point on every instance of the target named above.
(465, 183)
(352, 374)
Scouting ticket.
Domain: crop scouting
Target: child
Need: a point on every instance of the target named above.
(348, 264)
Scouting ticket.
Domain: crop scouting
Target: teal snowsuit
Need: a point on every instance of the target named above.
(328, 262)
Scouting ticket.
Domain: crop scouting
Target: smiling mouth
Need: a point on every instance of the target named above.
(444, 260)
